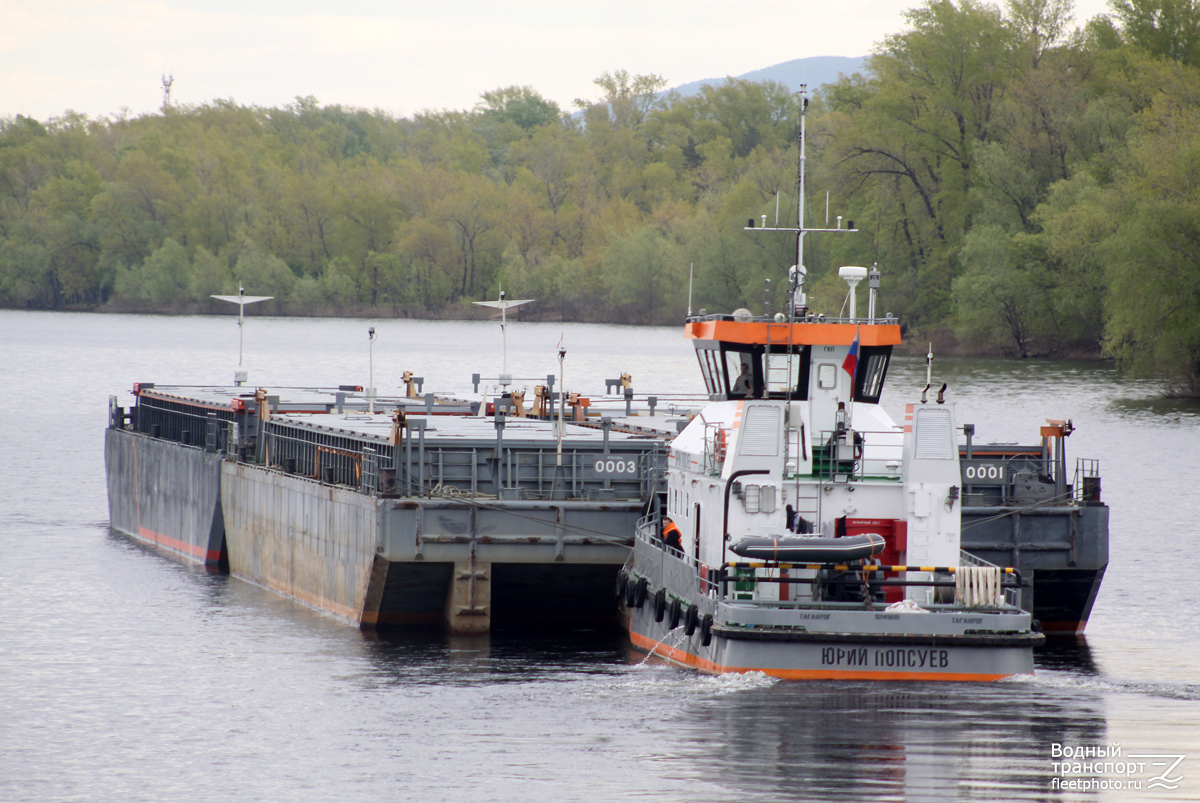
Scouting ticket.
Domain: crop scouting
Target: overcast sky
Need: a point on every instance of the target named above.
(101, 56)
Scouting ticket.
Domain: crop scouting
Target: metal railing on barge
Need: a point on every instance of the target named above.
(420, 466)
(177, 422)
(416, 463)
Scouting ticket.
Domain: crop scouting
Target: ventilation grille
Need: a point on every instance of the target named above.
(760, 432)
(933, 433)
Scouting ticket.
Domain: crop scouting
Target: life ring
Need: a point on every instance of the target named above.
(660, 604)
(706, 630)
(676, 614)
(691, 619)
(719, 445)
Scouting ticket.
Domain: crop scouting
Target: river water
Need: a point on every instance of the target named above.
(125, 676)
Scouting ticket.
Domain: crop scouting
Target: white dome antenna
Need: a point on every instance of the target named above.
(852, 274)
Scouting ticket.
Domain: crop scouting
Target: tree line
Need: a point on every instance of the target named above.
(1025, 183)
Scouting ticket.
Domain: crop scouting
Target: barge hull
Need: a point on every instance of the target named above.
(312, 542)
(384, 563)
(1063, 550)
(1063, 598)
(167, 495)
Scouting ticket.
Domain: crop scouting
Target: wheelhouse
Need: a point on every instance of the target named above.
(761, 359)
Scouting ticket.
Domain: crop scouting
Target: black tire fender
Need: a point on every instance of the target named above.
(706, 630)
(691, 619)
(640, 592)
(660, 604)
(676, 614)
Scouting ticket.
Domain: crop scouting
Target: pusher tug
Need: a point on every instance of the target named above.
(803, 533)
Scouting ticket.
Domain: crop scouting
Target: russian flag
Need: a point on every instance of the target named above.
(850, 364)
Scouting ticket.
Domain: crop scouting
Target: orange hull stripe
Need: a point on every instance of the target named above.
(312, 600)
(685, 658)
(176, 545)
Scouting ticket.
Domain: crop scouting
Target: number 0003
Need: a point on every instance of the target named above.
(615, 466)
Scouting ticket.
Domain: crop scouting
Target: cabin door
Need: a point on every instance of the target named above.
(829, 385)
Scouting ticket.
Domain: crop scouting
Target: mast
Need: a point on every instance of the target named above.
(797, 274)
(241, 299)
(503, 304)
(800, 202)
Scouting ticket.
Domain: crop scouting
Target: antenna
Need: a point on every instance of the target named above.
(800, 230)
(167, 81)
(241, 299)
(691, 274)
(562, 399)
(928, 374)
(852, 275)
(800, 195)
(503, 305)
(371, 360)
(558, 490)
(873, 284)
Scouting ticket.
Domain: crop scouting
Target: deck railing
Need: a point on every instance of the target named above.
(417, 466)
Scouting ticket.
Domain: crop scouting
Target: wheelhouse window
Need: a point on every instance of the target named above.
(736, 371)
(787, 372)
(740, 373)
(872, 370)
(710, 368)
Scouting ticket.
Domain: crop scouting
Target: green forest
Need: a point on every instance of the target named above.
(1028, 183)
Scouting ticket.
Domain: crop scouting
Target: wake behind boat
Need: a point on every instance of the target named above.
(802, 532)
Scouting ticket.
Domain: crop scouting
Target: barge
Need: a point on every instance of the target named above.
(423, 515)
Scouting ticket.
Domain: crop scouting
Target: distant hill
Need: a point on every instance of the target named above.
(814, 71)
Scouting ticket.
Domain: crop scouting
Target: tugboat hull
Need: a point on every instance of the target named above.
(800, 655)
(667, 616)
